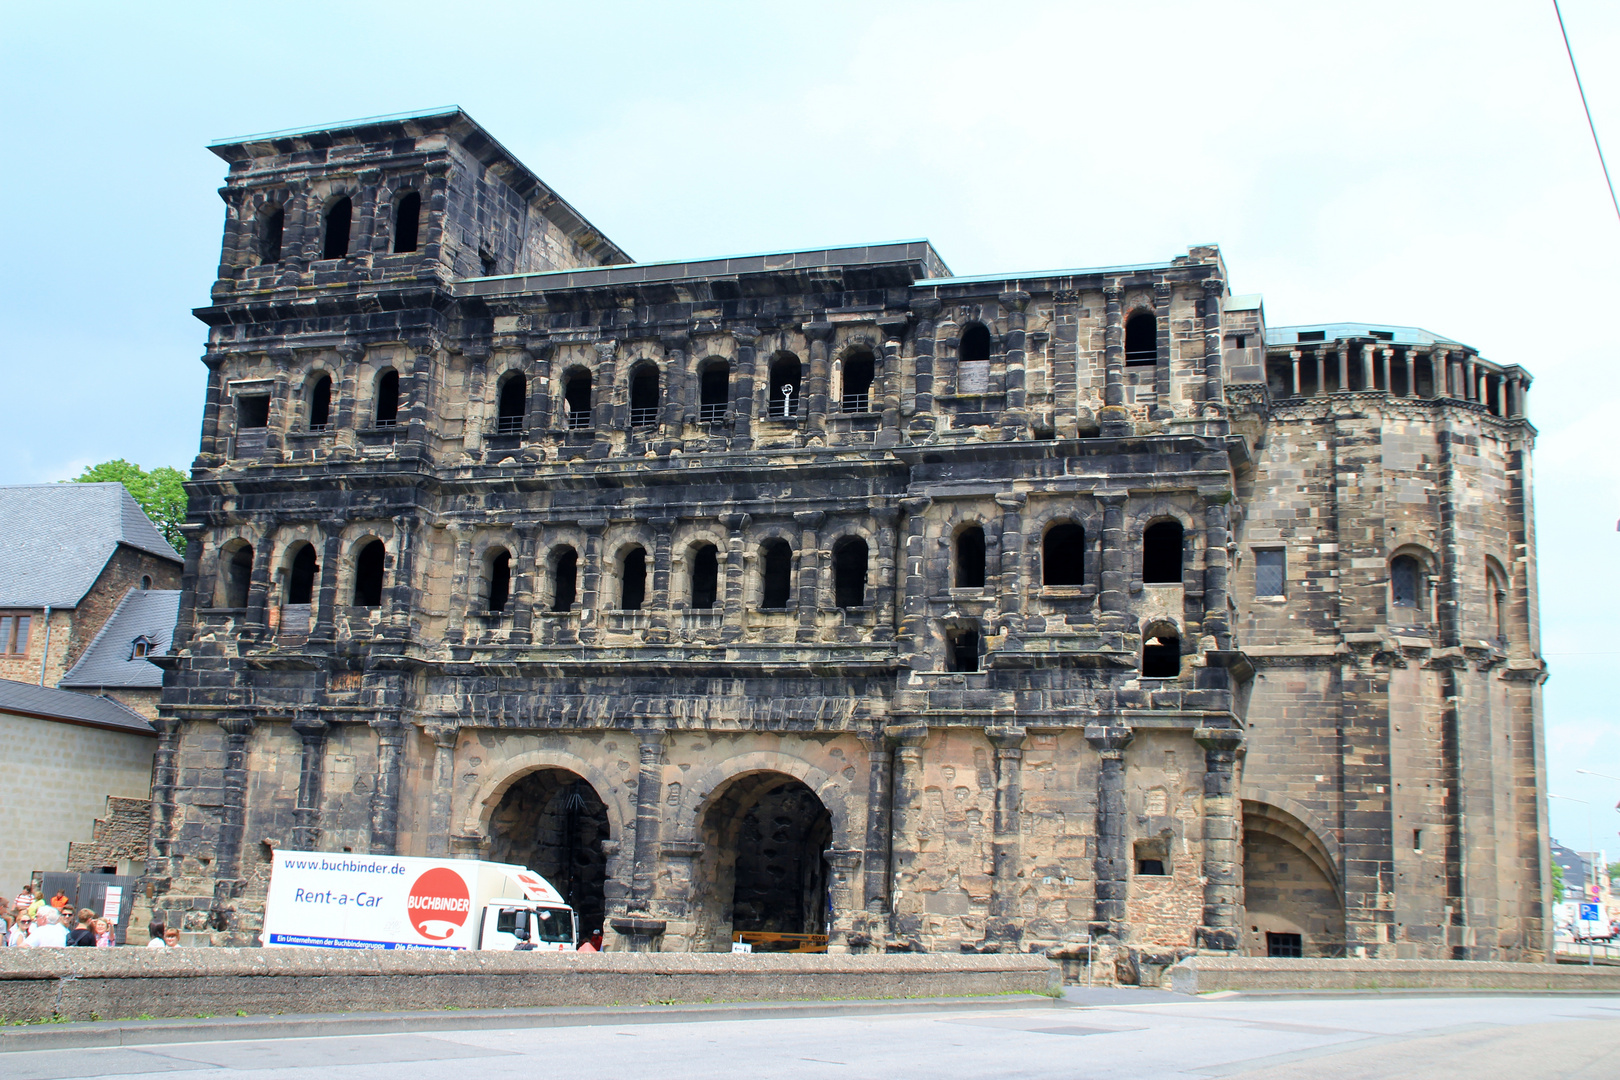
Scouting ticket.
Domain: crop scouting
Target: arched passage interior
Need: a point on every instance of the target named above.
(1291, 902)
(763, 867)
(553, 822)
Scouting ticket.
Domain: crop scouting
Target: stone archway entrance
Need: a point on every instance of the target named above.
(1290, 892)
(553, 822)
(763, 867)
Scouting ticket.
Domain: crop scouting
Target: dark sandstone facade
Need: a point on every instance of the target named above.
(824, 592)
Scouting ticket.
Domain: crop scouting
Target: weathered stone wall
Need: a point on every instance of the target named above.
(117, 841)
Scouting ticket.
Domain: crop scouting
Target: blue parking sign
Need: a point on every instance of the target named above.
(1589, 913)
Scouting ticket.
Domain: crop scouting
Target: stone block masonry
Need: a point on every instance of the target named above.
(824, 593)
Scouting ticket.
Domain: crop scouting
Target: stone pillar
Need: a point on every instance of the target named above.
(670, 381)
(275, 435)
(927, 311)
(604, 382)
(255, 619)
(444, 779)
(742, 391)
(1113, 418)
(1223, 834)
(345, 388)
(1161, 365)
(1411, 373)
(885, 559)
(537, 352)
(211, 450)
(1216, 623)
(462, 576)
(1384, 355)
(414, 393)
(809, 523)
(1015, 418)
(1113, 599)
(1113, 869)
(326, 598)
(402, 596)
(1293, 357)
(843, 887)
(731, 592)
(879, 767)
(1004, 928)
(190, 574)
(1214, 379)
(165, 779)
(1321, 371)
(1368, 381)
(1470, 382)
(385, 794)
(480, 409)
(819, 337)
(1011, 587)
(590, 579)
(311, 729)
(663, 529)
(232, 816)
(914, 572)
(649, 792)
(525, 575)
(905, 907)
(886, 394)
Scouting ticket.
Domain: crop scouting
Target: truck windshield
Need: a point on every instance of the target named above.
(555, 924)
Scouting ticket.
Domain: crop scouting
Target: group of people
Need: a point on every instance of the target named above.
(36, 923)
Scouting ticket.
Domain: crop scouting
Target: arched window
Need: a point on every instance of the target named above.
(1161, 553)
(644, 397)
(273, 224)
(633, 579)
(714, 393)
(146, 582)
(970, 558)
(236, 575)
(858, 374)
(975, 344)
(564, 577)
(1406, 582)
(338, 216)
(577, 399)
(705, 571)
(406, 217)
(513, 404)
(320, 403)
(777, 560)
(368, 574)
(388, 398)
(1142, 338)
(1496, 600)
(786, 380)
(1161, 653)
(301, 577)
(500, 578)
(1063, 555)
(849, 572)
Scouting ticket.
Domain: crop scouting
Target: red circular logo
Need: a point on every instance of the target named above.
(438, 905)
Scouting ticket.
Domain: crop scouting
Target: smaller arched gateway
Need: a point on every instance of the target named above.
(1292, 900)
(553, 821)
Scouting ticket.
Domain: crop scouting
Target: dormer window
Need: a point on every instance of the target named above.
(141, 648)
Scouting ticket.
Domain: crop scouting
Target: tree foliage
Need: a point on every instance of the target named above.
(161, 493)
(1557, 883)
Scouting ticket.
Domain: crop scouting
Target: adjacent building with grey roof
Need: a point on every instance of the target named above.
(117, 660)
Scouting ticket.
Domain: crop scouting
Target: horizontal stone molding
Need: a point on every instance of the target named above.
(1260, 974)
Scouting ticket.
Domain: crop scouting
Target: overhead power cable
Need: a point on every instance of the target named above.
(1591, 126)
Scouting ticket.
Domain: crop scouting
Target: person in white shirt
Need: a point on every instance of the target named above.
(49, 933)
(156, 929)
(19, 932)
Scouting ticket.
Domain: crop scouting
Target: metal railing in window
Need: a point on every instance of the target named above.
(713, 414)
(643, 418)
(782, 408)
(315, 428)
(579, 419)
(856, 403)
(390, 422)
(508, 425)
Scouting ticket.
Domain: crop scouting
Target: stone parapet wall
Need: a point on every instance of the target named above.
(1258, 975)
(92, 984)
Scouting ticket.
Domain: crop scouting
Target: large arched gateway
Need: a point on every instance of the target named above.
(1291, 893)
(552, 821)
(763, 867)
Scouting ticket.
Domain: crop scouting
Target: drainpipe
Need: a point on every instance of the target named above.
(45, 653)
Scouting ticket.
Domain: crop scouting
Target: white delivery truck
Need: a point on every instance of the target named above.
(319, 899)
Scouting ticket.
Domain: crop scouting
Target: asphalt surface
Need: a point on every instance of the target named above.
(1125, 1034)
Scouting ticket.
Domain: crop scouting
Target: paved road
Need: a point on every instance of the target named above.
(1525, 1038)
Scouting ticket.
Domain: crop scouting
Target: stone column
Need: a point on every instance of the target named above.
(1411, 373)
(165, 779)
(1015, 418)
(525, 576)
(232, 815)
(1321, 371)
(809, 523)
(211, 452)
(311, 729)
(480, 409)
(742, 391)
(326, 598)
(914, 572)
(259, 583)
(663, 529)
(1384, 355)
(604, 381)
(885, 559)
(674, 378)
(905, 908)
(414, 393)
(462, 577)
(345, 388)
(1368, 381)
(402, 596)
(190, 574)
(1216, 623)
(590, 579)
(1113, 418)
(649, 792)
(1293, 357)
(1470, 380)
(1010, 592)
(843, 887)
(1004, 928)
(1223, 834)
(1113, 599)
(879, 766)
(444, 780)
(1161, 365)
(927, 311)
(1214, 377)
(1113, 868)
(275, 436)
(818, 338)
(886, 394)
(537, 350)
(385, 795)
(731, 595)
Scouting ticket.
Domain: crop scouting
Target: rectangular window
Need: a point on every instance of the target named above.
(20, 644)
(1284, 945)
(1270, 572)
(14, 634)
(252, 412)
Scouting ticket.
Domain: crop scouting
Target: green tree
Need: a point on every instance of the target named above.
(161, 493)
(1557, 883)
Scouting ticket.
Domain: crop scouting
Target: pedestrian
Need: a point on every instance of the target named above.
(104, 934)
(19, 930)
(154, 932)
(5, 930)
(84, 934)
(592, 943)
(61, 902)
(48, 931)
(26, 897)
(171, 937)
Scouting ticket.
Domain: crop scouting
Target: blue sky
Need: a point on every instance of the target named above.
(1423, 164)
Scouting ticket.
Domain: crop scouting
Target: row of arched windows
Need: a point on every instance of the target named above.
(1063, 555)
(300, 573)
(336, 224)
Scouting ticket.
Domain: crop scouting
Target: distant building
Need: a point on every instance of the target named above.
(117, 662)
(1574, 867)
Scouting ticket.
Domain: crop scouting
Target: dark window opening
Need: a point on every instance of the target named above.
(644, 397)
(1151, 867)
(1063, 555)
(1270, 572)
(513, 405)
(275, 223)
(564, 578)
(970, 558)
(786, 382)
(1142, 338)
(1417, 840)
(577, 399)
(975, 348)
(1312, 335)
(778, 567)
(1161, 656)
(388, 399)
(1279, 378)
(500, 580)
(1405, 579)
(858, 375)
(320, 404)
(406, 217)
(962, 651)
(1242, 342)
(239, 576)
(1152, 855)
(146, 581)
(849, 572)
(1397, 376)
(301, 582)
(633, 580)
(705, 576)
(714, 393)
(487, 263)
(368, 575)
(337, 229)
(1287, 946)
(1425, 370)
(1161, 553)
(1382, 335)
(252, 412)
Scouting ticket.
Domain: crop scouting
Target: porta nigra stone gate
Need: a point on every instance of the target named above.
(824, 592)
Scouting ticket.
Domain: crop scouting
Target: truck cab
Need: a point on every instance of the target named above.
(512, 924)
